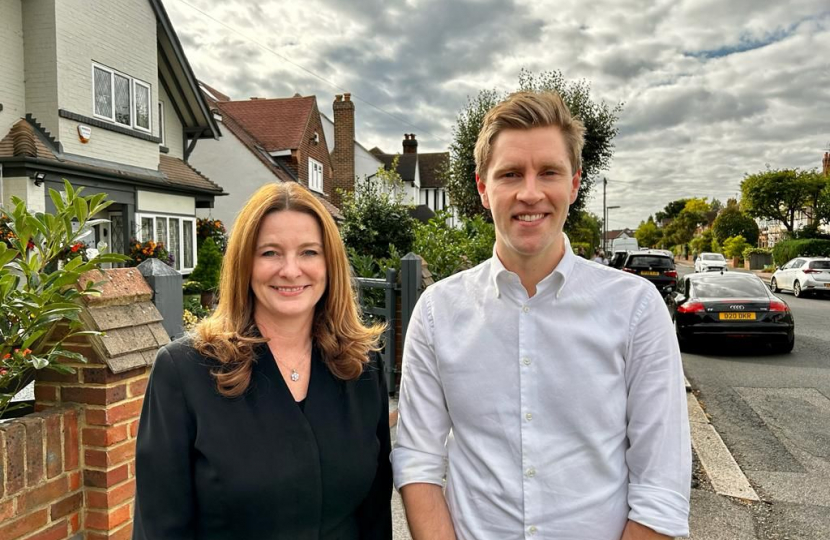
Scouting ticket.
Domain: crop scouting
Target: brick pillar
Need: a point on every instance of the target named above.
(342, 158)
(108, 392)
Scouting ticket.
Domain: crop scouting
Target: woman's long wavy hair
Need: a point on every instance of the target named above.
(230, 334)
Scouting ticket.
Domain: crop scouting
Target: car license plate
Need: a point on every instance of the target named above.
(736, 316)
(647, 273)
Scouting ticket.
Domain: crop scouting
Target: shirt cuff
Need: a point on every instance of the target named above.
(413, 466)
(663, 510)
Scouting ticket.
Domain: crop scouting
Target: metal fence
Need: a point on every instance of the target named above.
(408, 291)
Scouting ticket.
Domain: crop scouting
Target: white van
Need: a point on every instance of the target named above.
(624, 244)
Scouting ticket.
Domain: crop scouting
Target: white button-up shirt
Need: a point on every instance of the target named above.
(558, 416)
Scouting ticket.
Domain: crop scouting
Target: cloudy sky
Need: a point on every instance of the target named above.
(712, 89)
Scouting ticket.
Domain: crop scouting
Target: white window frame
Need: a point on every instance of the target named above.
(161, 124)
(149, 128)
(178, 256)
(132, 82)
(315, 180)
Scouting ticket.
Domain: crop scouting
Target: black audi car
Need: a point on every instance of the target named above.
(731, 305)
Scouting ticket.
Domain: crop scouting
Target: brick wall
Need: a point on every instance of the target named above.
(41, 492)
(343, 156)
(68, 471)
(317, 151)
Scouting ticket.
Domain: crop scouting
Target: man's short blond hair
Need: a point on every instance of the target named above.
(527, 110)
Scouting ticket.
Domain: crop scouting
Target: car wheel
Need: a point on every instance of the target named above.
(797, 290)
(773, 284)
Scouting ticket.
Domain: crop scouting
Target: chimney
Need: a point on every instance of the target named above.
(410, 145)
(825, 164)
(342, 158)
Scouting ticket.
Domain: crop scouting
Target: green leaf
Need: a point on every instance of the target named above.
(57, 200)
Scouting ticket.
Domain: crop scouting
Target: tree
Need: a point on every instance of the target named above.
(733, 222)
(459, 175)
(600, 121)
(703, 242)
(374, 218)
(780, 194)
(671, 210)
(823, 205)
(586, 229)
(647, 234)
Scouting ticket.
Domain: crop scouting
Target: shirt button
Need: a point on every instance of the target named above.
(525, 309)
(529, 417)
(526, 361)
(531, 472)
(532, 530)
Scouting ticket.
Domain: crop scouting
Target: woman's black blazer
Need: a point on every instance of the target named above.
(259, 467)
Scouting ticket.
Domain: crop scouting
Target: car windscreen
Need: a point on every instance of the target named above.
(729, 287)
(649, 261)
(820, 265)
(712, 257)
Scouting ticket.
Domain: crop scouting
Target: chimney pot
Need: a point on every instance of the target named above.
(338, 97)
(347, 97)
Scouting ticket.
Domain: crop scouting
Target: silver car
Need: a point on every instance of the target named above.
(803, 275)
(709, 261)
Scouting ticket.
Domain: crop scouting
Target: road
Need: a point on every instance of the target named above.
(773, 413)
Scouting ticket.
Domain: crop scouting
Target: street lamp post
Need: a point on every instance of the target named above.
(607, 208)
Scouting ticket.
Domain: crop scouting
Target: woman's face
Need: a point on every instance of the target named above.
(289, 268)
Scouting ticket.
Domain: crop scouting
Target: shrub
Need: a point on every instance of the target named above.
(448, 249)
(36, 295)
(374, 220)
(192, 287)
(209, 266)
(790, 249)
(734, 246)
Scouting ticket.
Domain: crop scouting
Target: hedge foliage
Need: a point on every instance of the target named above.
(790, 249)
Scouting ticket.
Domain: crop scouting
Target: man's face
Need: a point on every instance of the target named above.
(529, 186)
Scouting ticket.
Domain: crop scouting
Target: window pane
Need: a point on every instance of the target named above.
(730, 287)
(102, 89)
(187, 230)
(116, 233)
(161, 230)
(122, 100)
(146, 229)
(173, 246)
(142, 106)
(646, 261)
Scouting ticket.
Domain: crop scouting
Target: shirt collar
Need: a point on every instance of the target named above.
(556, 279)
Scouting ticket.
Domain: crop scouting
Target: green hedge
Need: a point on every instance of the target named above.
(789, 249)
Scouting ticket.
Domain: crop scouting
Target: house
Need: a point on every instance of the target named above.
(101, 94)
(422, 183)
(272, 140)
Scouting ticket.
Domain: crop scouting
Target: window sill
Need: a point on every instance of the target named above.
(63, 113)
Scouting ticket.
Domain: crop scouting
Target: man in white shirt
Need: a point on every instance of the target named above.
(544, 391)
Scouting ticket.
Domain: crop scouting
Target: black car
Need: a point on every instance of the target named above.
(618, 259)
(655, 267)
(731, 305)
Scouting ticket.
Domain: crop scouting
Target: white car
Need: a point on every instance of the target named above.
(709, 261)
(803, 275)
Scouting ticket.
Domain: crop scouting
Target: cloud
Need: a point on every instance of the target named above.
(712, 89)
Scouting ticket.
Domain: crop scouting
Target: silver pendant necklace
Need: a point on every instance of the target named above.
(295, 375)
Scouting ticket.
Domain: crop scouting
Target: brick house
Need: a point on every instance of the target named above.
(423, 186)
(100, 93)
(270, 140)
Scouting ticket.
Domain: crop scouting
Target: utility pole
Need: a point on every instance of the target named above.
(604, 213)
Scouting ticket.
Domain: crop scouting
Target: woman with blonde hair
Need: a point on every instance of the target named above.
(271, 420)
